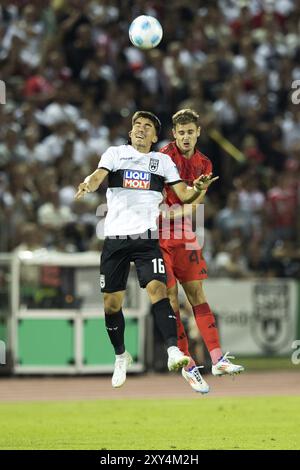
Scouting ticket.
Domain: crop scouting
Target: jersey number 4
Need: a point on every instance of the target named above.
(158, 266)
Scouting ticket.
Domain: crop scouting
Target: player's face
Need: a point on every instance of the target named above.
(186, 136)
(143, 135)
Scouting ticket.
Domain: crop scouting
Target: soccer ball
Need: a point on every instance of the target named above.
(145, 32)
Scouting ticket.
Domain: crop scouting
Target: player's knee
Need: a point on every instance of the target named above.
(156, 291)
(196, 295)
(112, 304)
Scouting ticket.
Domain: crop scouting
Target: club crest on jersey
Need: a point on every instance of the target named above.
(134, 179)
(153, 165)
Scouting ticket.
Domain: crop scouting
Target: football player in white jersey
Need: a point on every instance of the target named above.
(136, 178)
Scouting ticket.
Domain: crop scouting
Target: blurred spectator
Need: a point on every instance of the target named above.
(37, 87)
(282, 208)
(10, 148)
(231, 262)
(31, 237)
(286, 254)
(233, 220)
(52, 215)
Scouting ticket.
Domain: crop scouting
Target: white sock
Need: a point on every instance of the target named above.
(171, 349)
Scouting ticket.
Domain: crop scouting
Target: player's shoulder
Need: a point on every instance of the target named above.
(169, 149)
(161, 162)
(161, 155)
(202, 156)
(118, 149)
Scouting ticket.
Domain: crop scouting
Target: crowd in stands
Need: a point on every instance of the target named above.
(73, 81)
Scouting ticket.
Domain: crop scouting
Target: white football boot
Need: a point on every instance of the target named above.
(195, 379)
(122, 362)
(176, 359)
(224, 366)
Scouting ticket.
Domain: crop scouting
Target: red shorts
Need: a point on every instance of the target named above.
(182, 264)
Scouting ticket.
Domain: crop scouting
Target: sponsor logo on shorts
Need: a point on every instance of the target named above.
(102, 281)
(136, 179)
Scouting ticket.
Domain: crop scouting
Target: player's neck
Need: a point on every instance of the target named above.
(141, 148)
(188, 154)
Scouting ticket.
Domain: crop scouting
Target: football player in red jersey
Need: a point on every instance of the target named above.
(182, 253)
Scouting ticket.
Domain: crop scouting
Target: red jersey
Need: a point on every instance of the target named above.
(189, 169)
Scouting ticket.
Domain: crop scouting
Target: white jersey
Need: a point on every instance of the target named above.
(135, 185)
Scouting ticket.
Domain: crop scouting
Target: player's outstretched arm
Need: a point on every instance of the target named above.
(187, 194)
(91, 182)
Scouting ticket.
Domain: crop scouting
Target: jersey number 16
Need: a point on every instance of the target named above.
(158, 266)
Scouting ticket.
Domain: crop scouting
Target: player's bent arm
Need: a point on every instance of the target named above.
(95, 179)
(91, 182)
(185, 193)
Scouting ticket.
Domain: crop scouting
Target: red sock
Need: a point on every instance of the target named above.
(207, 326)
(182, 341)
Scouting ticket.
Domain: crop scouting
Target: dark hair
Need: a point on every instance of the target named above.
(148, 115)
(185, 116)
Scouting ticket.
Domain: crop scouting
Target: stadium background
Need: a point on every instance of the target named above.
(72, 83)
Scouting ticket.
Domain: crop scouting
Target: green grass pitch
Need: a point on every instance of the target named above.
(207, 423)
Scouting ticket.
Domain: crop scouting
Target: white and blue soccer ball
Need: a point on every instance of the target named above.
(145, 32)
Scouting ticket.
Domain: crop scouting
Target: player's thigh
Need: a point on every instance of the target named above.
(194, 292)
(168, 261)
(156, 290)
(149, 262)
(114, 266)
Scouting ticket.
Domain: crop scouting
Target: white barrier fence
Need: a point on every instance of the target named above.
(51, 316)
(255, 317)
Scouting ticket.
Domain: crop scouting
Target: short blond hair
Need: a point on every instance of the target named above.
(185, 116)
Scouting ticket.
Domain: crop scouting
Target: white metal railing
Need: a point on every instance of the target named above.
(255, 317)
(85, 271)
